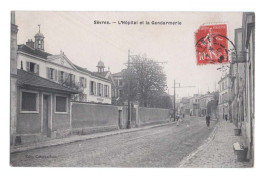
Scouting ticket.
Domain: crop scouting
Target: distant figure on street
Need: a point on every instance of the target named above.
(177, 117)
(226, 117)
(183, 115)
(208, 120)
(171, 114)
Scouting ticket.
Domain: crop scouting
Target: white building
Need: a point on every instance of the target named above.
(224, 95)
(31, 57)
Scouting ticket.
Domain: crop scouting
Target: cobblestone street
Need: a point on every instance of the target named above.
(218, 152)
(163, 146)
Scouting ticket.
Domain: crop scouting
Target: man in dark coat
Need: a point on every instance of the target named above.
(208, 120)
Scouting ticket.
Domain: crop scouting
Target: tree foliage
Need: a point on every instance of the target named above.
(145, 81)
(75, 86)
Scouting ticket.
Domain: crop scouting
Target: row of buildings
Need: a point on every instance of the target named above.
(197, 105)
(237, 88)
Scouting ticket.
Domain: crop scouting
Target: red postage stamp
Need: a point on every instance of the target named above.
(212, 44)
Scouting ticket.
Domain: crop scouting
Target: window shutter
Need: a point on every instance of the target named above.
(107, 91)
(55, 75)
(91, 88)
(59, 76)
(27, 66)
(102, 90)
(73, 76)
(48, 72)
(95, 90)
(85, 82)
(65, 79)
(37, 69)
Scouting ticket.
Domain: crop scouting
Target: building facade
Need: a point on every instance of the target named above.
(248, 50)
(32, 58)
(224, 96)
(118, 78)
(114, 82)
(203, 102)
(194, 101)
(242, 71)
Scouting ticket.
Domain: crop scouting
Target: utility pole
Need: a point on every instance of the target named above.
(128, 97)
(129, 125)
(174, 97)
(174, 101)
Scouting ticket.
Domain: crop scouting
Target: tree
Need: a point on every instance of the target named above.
(144, 81)
(72, 84)
(163, 101)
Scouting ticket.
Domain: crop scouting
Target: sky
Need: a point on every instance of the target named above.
(85, 43)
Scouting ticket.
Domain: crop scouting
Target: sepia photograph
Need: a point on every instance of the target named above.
(132, 89)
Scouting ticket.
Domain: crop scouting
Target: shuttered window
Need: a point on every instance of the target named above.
(32, 67)
(83, 82)
(93, 88)
(61, 76)
(51, 74)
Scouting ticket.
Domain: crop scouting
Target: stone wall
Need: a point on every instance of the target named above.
(89, 118)
(152, 115)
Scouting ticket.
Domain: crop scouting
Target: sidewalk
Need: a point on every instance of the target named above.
(217, 151)
(71, 139)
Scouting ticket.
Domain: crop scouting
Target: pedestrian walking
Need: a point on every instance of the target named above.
(208, 120)
(177, 117)
(226, 117)
(171, 114)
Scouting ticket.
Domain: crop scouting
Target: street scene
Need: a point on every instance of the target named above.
(132, 89)
(135, 149)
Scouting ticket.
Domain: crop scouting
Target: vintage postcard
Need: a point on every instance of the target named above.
(132, 89)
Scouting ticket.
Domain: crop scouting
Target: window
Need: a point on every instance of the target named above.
(92, 88)
(119, 93)
(32, 67)
(106, 90)
(99, 89)
(29, 101)
(51, 74)
(71, 79)
(61, 104)
(61, 75)
(120, 83)
(83, 82)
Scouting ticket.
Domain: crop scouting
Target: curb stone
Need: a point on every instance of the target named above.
(200, 148)
(82, 138)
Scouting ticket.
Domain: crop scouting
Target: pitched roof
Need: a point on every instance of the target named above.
(33, 51)
(45, 55)
(103, 74)
(32, 80)
(118, 74)
(89, 72)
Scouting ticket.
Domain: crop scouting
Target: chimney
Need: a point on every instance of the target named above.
(30, 43)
